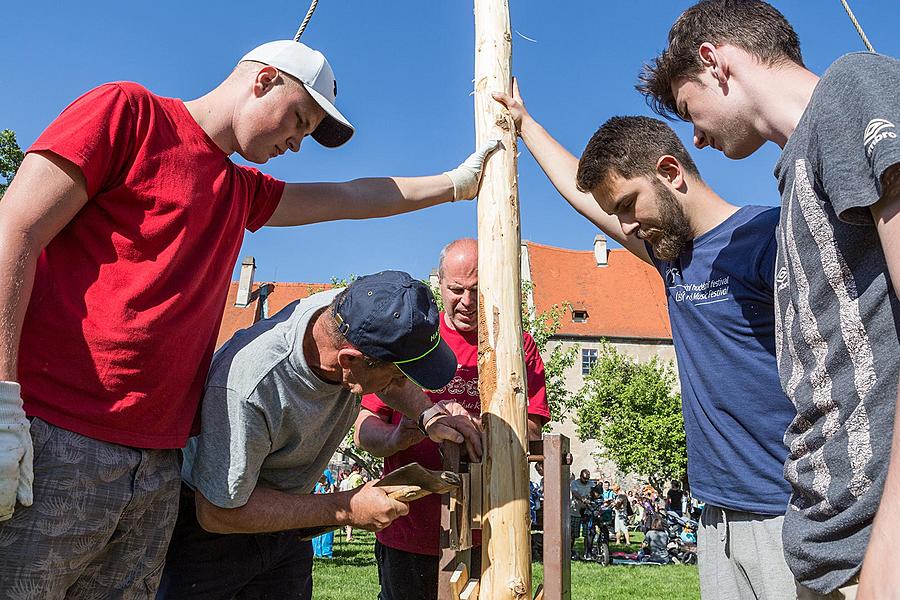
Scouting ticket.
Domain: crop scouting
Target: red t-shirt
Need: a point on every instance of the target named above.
(128, 297)
(419, 530)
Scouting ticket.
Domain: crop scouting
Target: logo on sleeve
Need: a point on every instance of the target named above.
(877, 130)
(781, 279)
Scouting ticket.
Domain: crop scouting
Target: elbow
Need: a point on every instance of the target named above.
(211, 518)
(19, 242)
(365, 434)
(364, 443)
(535, 428)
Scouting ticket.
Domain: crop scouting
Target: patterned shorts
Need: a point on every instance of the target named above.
(100, 523)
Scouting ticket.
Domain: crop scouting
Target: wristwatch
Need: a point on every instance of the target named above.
(428, 414)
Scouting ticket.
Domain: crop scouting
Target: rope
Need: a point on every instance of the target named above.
(309, 14)
(856, 24)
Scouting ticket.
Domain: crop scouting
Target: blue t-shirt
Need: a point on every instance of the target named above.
(721, 306)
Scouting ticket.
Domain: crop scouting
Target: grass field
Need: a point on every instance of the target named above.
(351, 575)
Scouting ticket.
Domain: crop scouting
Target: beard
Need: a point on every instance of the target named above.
(674, 231)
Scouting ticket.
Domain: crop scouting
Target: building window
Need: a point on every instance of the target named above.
(579, 316)
(588, 358)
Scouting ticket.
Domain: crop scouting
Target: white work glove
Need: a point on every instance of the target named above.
(16, 451)
(467, 176)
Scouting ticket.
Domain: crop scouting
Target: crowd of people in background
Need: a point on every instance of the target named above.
(346, 480)
(599, 505)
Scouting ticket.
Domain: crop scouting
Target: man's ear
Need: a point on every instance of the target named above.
(669, 169)
(712, 58)
(266, 79)
(348, 357)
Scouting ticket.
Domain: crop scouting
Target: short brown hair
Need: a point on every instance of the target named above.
(751, 25)
(629, 147)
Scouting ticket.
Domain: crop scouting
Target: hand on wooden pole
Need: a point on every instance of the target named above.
(466, 177)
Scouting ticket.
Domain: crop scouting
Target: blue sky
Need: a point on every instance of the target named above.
(404, 70)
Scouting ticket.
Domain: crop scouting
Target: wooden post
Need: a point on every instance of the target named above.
(557, 538)
(506, 548)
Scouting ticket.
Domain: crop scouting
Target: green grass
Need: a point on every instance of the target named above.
(352, 575)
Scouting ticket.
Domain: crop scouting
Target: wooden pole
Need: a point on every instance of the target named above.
(506, 547)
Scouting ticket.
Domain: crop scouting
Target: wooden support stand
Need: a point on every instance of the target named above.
(457, 579)
(457, 523)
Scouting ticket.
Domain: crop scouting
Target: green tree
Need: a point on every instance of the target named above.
(11, 157)
(542, 327)
(631, 408)
(370, 463)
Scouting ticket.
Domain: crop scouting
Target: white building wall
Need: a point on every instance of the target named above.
(588, 454)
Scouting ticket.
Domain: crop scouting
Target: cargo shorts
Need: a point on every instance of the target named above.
(100, 523)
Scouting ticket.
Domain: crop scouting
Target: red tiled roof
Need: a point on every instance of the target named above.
(624, 299)
(281, 295)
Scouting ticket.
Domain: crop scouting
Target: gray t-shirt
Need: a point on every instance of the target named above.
(583, 490)
(837, 317)
(657, 544)
(266, 418)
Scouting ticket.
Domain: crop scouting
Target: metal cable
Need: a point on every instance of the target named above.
(856, 24)
(309, 14)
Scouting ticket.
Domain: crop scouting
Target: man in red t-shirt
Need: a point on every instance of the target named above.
(407, 551)
(118, 237)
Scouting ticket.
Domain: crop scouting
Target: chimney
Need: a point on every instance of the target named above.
(433, 279)
(248, 270)
(600, 252)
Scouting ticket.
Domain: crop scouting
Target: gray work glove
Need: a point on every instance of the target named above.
(16, 451)
(467, 176)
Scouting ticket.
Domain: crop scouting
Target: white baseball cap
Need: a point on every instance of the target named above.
(310, 67)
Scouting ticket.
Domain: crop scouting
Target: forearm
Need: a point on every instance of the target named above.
(269, 510)
(304, 203)
(560, 165)
(407, 399)
(877, 564)
(376, 436)
(386, 196)
(535, 429)
(18, 258)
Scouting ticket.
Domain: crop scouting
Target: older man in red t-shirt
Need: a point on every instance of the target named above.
(407, 551)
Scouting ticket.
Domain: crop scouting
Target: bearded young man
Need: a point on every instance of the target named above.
(118, 237)
(734, 69)
(638, 184)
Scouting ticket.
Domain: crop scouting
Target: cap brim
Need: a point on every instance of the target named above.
(334, 130)
(434, 370)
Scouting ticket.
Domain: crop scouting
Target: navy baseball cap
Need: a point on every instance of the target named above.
(393, 317)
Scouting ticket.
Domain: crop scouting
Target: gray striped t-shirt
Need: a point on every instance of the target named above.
(837, 317)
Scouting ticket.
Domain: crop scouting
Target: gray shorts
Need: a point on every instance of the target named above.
(100, 523)
(741, 556)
